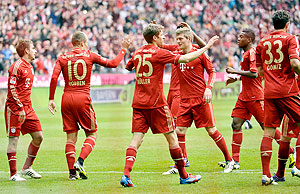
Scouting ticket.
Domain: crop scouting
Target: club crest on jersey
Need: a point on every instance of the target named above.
(13, 130)
(13, 80)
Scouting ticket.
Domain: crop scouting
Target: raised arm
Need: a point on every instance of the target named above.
(193, 55)
(197, 39)
(113, 63)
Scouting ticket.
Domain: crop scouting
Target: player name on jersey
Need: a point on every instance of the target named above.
(274, 67)
(274, 36)
(76, 83)
(143, 81)
(75, 55)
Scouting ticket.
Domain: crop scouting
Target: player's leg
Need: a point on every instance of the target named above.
(13, 127)
(136, 141)
(181, 131)
(237, 139)
(220, 141)
(86, 149)
(239, 115)
(266, 153)
(12, 159)
(85, 115)
(34, 146)
(283, 155)
(70, 152)
(257, 110)
(176, 155)
(296, 169)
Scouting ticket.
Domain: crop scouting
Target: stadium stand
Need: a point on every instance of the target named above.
(50, 23)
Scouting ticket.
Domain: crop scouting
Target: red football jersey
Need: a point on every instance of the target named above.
(20, 81)
(191, 76)
(273, 53)
(149, 63)
(76, 67)
(252, 88)
(174, 83)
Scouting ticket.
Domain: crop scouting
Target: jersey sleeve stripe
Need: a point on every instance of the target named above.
(16, 67)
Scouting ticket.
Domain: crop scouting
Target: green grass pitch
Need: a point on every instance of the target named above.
(105, 164)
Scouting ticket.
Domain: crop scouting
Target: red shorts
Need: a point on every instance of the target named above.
(195, 109)
(289, 128)
(174, 101)
(160, 120)
(14, 126)
(245, 109)
(276, 108)
(76, 108)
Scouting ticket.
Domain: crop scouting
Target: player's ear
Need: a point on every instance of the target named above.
(26, 51)
(287, 25)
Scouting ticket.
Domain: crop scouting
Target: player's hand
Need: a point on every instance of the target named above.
(153, 22)
(22, 116)
(52, 106)
(212, 41)
(230, 70)
(230, 80)
(183, 24)
(207, 95)
(126, 42)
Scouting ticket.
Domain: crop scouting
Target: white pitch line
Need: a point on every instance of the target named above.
(250, 171)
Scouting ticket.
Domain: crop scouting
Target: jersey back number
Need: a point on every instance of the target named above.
(142, 62)
(278, 50)
(75, 70)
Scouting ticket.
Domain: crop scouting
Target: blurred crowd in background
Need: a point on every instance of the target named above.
(51, 23)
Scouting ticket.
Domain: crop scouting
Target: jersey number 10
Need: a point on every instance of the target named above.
(75, 70)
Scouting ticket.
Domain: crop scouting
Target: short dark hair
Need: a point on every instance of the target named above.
(250, 33)
(22, 45)
(280, 18)
(151, 30)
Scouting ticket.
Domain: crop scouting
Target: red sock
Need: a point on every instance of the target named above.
(176, 155)
(70, 152)
(130, 159)
(277, 136)
(266, 154)
(237, 139)
(32, 152)
(12, 161)
(298, 153)
(181, 141)
(283, 155)
(219, 139)
(87, 147)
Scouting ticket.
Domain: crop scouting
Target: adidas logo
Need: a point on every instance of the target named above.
(130, 158)
(265, 154)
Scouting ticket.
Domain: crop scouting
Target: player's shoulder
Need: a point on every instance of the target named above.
(251, 51)
(16, 66)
